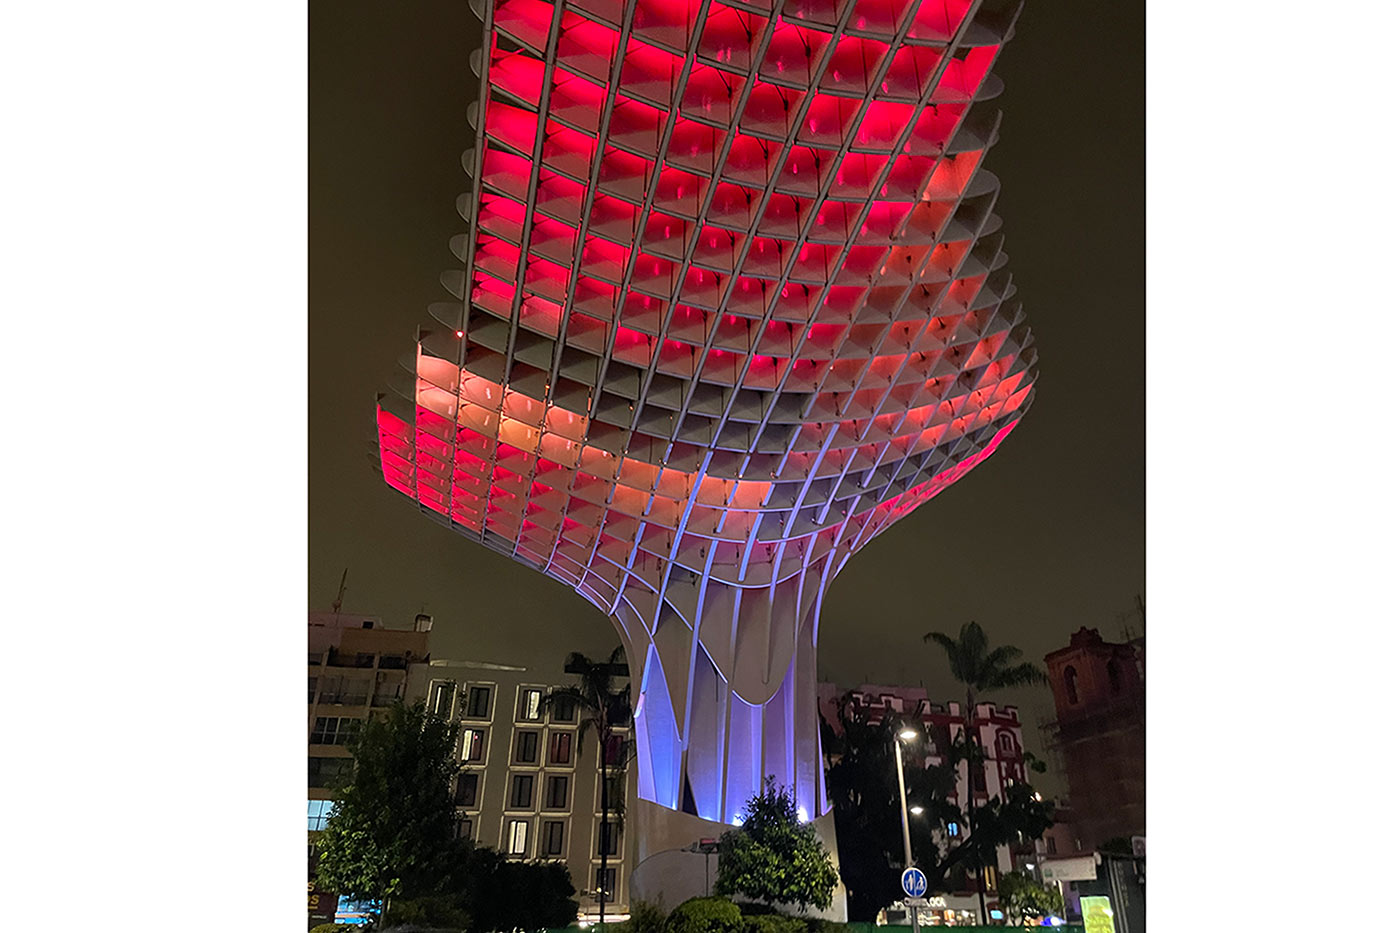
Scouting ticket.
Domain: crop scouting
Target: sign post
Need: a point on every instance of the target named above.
(914, 883)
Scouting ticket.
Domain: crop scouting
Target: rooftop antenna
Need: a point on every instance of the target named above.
(340, 596)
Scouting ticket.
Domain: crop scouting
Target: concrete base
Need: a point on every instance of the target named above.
(668, 873)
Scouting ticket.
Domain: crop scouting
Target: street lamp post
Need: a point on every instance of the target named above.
(905, 735)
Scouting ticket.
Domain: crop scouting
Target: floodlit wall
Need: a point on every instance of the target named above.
(731, 302)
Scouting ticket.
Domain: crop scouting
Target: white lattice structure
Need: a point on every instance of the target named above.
(731, 303)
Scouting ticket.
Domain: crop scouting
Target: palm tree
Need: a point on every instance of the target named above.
(980, 671)
(605, 708)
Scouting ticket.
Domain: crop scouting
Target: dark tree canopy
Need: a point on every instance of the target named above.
(864, 793)
(863, 788)
(774, 857)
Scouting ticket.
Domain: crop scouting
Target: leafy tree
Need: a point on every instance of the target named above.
(981, 669)
(391, 831)
(1026, 899)
(604, 706)
(773, 856)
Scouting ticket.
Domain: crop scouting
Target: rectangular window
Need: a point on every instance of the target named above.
(607, 838)
(464, 828)
(615, 746)
(563, 710)
(553, 837)
(353, 693)
(311, 689)
(442, 699)
(385, 693)
(531, 704)
(333, 730)
(607, 881)
(324, 772)
(517, 836)
(1049, 845)
(467, 783)
(522, 791)
(561, 746)
(617, 787)
(473, 744)
(527, 748)
(479, 703)
(557, 792)
(317, 812)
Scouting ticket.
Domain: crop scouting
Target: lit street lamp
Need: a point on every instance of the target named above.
(906, 735)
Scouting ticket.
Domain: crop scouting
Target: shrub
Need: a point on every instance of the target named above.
(705, 915)
(774, 923)
(646, 918)
(819, 925)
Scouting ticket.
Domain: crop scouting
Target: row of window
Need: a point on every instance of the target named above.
(551, 842)
(521, 791)
(476, 703)
(351, 691)
(526, 750)
(335, 730)
(517, 834)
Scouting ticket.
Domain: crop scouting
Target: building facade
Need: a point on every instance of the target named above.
(998, 732)
(530, 785)
(354, 666)
(1099, 735)
(732, 302)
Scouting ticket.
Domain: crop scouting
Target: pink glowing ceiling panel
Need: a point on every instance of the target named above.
(731, 301)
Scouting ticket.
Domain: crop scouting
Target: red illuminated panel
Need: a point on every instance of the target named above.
(732, 302)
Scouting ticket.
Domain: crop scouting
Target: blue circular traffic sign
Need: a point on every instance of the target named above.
(914, 882)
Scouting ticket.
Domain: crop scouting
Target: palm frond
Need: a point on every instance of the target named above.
(1022, 675)
(993, 662)
(974, 640)
(618, 656)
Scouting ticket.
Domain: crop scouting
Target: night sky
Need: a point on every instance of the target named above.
(1045, 536)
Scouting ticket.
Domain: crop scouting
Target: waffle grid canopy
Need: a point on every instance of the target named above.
(732, 301)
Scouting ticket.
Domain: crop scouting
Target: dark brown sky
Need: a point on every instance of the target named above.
(1047, 535)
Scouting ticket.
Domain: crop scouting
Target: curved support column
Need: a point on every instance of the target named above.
(727, 694)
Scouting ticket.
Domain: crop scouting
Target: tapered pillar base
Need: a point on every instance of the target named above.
(666, 872)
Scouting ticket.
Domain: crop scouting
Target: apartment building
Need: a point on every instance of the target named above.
(354, 665)
(529, 785)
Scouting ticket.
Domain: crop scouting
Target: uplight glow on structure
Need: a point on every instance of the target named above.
(731, 303)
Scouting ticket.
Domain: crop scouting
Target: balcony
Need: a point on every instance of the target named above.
(344, 699)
